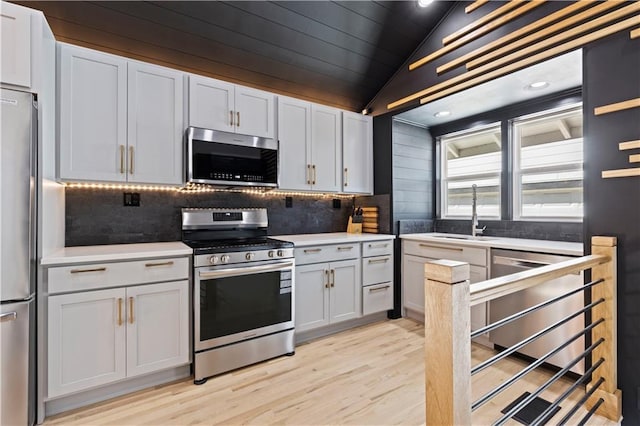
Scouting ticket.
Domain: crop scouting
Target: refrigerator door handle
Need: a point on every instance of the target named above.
(9, 316)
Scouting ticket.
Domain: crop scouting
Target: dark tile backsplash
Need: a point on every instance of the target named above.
(556, 231)
(97, 216)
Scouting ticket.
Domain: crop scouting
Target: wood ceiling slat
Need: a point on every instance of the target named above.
(254, 34)
(285, 17)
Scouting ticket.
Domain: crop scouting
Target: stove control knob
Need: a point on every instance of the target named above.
(280, 253)
(249, 256)
(213, 260)
(225, 258)
(271, 253)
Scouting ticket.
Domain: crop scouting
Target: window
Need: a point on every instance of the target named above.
(468, 158)
(547, 165)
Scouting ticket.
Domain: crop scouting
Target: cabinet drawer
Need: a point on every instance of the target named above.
(377, 248)
(377, 298)
(328, 253)
(436, 250)
(377, 269)
(104, 275)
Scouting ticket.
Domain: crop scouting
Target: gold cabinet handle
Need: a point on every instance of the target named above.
(441, 247)
(131, 160)
(230, 118)
(131, 310)
(122, 159)
(313, 181)
(386, 259)
(371, 290)
(346, 176)
(81, 271)
(326, 272)
(119, 311)
(333, 278)
(308, 174)
(151, 265)
(312, 250)
(378, 245)
(238, 120)
(345, 248)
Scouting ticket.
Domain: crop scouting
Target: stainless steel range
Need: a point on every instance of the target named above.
(243, 289)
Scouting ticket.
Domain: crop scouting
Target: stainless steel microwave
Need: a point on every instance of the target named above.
(228, 159)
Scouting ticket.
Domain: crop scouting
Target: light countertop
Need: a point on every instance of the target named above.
(113, 252)
(305, 240)
(540, 246)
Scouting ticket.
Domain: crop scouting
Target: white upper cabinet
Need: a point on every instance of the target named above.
(326, 148)
(120, 120)
(218, 105)
(15, 45)
(155, 126)
(92, 128)
(294, 134)
(357, 153)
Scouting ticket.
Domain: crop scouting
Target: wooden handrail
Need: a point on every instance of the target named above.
(497, 287)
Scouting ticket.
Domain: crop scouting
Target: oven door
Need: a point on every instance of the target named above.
(234, 303)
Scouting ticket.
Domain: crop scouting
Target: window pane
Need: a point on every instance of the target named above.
(474, 157)
(548, 165)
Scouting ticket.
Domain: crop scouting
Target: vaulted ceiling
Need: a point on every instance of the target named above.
(337, 53)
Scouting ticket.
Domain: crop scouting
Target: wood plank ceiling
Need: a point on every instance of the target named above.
(338, 53)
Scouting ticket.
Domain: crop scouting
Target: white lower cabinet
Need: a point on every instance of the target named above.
(414, 257)
(327, 293)
(99, 337)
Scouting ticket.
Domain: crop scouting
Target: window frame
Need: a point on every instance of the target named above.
(443, 178)
(517, 173)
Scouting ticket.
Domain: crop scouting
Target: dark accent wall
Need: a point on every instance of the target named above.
(97, 216)
(612, 74)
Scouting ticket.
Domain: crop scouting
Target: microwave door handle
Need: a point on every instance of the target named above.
(234, 272)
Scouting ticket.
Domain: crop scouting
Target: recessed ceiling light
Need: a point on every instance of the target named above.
(442, 113)
(424, 3)
(537, 85)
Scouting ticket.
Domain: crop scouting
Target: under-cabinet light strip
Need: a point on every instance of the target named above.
(199, 189)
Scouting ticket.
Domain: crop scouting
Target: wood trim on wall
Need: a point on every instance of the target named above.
(635, 33)
(473, 6)
(607, 174)
(515, 35)
(618, 106)
(622, 146)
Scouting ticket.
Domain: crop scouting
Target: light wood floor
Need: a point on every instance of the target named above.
(372, 375)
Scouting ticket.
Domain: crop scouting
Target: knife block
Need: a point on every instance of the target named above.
(354, 228)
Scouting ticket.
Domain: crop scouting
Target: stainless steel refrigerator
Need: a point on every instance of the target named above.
(18, 183)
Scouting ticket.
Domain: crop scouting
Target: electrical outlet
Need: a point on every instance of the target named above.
(288, 202)
(337, 203)
(132, 199)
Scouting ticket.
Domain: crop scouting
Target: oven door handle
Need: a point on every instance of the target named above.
(231, 272)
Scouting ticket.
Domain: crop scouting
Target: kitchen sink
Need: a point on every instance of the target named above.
(462, 237)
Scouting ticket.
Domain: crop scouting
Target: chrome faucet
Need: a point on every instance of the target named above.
(475, 231)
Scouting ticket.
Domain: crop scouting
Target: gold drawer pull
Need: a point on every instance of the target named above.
(441, 247)
(346, 176)
(308, 174)
(230, 118)
(81, 271)
(313, 181)
(238, 114)
(150, 265)
(333, 278)
(131, 310)
(119, 311)
(346, 248)
(131, 161)
(371, 290)
(121, 159)
(312, 250)
(326, 272)
(386, 259)
(378, 245)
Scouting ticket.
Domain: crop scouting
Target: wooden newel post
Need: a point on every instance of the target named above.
(608, 390)
(447, 332)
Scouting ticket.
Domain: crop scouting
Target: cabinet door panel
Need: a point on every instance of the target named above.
(211, 104)
(326, 148)
(346, 293)
(478, 312)
(155, 125)
(86, 343)
(254, 113)
(312, 297)
(294, 134)
(357, 153)
(93, 113)
(157, 327)
(15, 24)
(413, 282)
